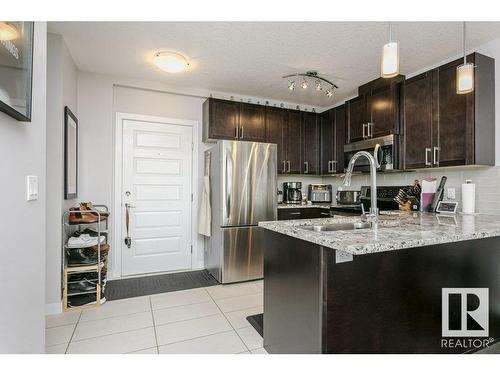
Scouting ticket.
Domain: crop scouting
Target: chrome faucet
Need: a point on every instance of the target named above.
(372, 216)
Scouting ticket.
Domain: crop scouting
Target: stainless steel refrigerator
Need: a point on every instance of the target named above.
(243, 192)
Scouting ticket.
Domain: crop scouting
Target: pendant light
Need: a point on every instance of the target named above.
(465, 73)
(390, 57)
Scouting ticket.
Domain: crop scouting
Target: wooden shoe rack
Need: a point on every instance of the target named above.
(95, 272)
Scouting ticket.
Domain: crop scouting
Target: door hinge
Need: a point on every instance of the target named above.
(192, 199)
(191, 249)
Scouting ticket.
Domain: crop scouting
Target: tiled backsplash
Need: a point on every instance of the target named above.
(487, 180)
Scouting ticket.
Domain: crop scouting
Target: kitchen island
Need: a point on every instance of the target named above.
(375, 289)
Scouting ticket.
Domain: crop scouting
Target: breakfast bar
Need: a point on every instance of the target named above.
(341, 285)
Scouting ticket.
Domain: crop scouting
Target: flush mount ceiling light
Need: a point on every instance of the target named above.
(170, 62)
(8, 32)
(465, 73)
(390, 57)
(313, 75)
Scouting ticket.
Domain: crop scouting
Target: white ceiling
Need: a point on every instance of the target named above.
(249, 58)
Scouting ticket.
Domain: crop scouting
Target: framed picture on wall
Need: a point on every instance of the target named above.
(16, 68)
(70, 154)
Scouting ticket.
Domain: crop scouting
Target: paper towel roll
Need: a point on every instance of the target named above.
(468, 198)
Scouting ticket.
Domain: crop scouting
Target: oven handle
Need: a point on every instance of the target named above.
(376, 151)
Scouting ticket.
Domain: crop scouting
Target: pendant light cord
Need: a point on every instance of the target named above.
(465, 58)
(390, 31)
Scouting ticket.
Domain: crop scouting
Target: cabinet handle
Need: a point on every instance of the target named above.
(427, 162)
(288, 165)
(329, 166)
(370, 129)
(241, 135)
(236, 132)
(284, 167)
(294, 213)
(364, 127)
(436, 155)
(306, 167)
(325, 213)
(334, 163)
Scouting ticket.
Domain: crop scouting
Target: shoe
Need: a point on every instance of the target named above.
(87, 206)
(82, 286)
(78, 217)
(77, 257)
(84, 240)
(81, 300)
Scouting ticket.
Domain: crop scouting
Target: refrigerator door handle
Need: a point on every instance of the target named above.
(228, 184)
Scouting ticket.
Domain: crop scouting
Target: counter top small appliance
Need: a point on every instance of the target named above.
(292, 192)
(319, 193)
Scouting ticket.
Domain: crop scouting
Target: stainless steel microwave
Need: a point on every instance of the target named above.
(384, 150)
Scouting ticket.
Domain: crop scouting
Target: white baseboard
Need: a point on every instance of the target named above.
(53, 308)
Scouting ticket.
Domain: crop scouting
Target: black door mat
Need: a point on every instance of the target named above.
(143, 286)
(257, 322)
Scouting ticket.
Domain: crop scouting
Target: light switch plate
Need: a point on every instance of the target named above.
(31, 188)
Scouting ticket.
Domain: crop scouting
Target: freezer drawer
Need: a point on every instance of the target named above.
(243, 254)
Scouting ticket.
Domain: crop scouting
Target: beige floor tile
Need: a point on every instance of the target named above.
(221, 343)
(181, 298)
(190, 329)
(58, 335)
(117, 308)
(146, 351)
(240, 303)
(63, 319)
(56, 349)
(124, 342)
(250, 337)
(259, 351)
(101, 327)
(179, 313)
(233, 290)
(238, 319)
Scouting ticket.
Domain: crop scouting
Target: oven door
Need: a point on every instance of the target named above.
(382, 149)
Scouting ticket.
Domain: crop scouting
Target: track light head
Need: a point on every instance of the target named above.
(318, 85)
(291, 85)
(304, 84)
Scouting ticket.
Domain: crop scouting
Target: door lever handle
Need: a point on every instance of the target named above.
(128, 239)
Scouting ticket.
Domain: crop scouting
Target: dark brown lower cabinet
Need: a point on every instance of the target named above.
(303, 213)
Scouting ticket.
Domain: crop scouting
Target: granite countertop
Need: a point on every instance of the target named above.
(298, 205)
(395, 230)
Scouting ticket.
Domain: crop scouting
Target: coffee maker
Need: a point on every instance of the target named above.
(292, 192)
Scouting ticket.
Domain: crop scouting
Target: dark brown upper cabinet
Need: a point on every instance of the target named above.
(221, 119)
(276, 122)
(417, 121)
(443, 128)
(293, 142)
(252, 123)
(356, 119)
(311, 143)
(333, 124)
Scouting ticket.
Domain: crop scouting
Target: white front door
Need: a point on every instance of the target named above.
(157, 185)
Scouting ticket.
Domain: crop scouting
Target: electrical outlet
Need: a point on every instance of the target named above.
(450, 193)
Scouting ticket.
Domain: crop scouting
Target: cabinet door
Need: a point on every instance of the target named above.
(356, 118)
(381, 107)
(453, 118)
(417, 129)
(310, 144)
(340, 139)
(293, 141)
(252, 122)
(327, 140)
(275, 128)
(223, 119)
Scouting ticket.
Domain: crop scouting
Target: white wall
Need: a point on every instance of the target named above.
(22, 248)
(62, 89)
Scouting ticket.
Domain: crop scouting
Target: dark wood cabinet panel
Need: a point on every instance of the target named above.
(453, 118)
(310, 143)
(381, 107)
(275, 130)
(252, 122)
(340, 139)
(327, 140)
(220, 119)
(356, 118)
(417, 99)
(293, 142)
(303, 213)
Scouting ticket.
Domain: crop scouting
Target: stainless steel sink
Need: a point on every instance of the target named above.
(338, 226)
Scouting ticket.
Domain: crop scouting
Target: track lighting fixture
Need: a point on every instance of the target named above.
(313, 75)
